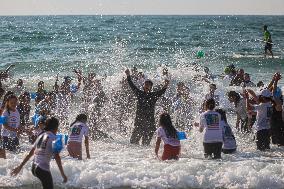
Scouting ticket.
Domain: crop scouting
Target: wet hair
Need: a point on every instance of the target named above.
(260, 83)
(167, 125)
(234, 94)
(213, 85)
(8, 93)
(51, 124)
(40, 83)
(210, 104)
(265, 27)
(149, 81)
(223, 114)
(9, 97)
(81, 118)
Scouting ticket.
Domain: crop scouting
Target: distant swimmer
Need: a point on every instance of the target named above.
(268, 41)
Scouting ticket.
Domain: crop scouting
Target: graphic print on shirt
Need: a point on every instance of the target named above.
(212, 121)
(42, 142)
(12, 121)
(76, 130)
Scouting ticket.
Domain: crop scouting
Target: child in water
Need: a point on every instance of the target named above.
(229, 143)
(78, 130)
(11, 129)
(213, 135)
(168, 134)
(264, 112)
(42, 152)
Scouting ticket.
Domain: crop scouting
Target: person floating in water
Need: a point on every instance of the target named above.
(144, 126)
(268, 41)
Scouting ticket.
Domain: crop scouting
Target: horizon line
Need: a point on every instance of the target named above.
(142, 15)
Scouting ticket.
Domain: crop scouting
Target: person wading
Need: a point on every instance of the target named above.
(144, 125)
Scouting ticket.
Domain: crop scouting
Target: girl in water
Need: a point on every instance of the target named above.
(229, 143)
(168, 134)
(210, 121)
(78, 130)
(11, 129)
(42, 152)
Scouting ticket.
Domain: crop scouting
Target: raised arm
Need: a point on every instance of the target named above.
(131, 84)
(163, 90)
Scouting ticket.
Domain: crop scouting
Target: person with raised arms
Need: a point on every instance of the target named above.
(42, 152)
(144, 125)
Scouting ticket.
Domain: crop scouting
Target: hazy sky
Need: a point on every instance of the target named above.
(42, 7)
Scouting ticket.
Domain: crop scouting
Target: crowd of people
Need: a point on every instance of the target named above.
(258, 112)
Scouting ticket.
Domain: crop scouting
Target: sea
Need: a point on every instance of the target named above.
(42, 47)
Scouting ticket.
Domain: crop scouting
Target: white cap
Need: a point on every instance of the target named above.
(266, 93)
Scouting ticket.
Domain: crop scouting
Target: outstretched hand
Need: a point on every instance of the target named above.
(16, 171)
(127, 72)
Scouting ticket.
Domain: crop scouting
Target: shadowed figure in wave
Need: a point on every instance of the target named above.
(144, 125)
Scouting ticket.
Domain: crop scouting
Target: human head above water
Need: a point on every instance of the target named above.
(82, 118)
(233, 96)
(52, 124)
(265, 27)
(11, 102)
(166, 123)
(223, 114)
(148, 84)
(210, 104)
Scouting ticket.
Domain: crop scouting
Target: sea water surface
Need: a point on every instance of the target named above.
(42, 46)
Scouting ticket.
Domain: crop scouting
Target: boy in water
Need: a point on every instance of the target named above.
(268, 41)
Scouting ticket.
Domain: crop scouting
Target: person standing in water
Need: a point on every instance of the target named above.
(42, 152)
(144, 125)
(268, 41)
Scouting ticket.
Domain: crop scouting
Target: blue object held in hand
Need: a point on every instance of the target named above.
(33, 96)
(73, 88)
(35, 119)
(181, 135)
(3, 119)
(57, 145)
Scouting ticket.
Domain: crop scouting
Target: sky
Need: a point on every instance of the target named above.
(141, 7)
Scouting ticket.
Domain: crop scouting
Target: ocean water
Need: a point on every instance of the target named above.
(42, 46)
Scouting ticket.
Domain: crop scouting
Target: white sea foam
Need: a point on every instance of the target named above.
(116, 163)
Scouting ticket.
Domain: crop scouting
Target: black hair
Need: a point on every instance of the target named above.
(167, 125)
(265, 27)
(149, 81)
(210, 104)
(51, 124)
(234, 94)
(260, 83)
(9, 97)
(223, 114)
(81, 118)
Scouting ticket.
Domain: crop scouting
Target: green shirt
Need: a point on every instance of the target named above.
(267, 36)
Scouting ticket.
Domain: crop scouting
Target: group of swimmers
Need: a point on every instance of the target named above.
(262, 112)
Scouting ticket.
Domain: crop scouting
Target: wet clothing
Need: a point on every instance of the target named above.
(75, 149)
(144, 125)
(263, 139)
(11, 144)
(229, 142)
(44, 176)
(77, 131)
(214, 149)
(277, 127)
(24, 111)
(268, 40)
(43, 150)
(210, 121)
(171, 152)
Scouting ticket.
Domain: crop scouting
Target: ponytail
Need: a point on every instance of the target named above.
(81, 118)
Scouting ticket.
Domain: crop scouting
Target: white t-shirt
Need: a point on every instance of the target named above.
(171, 141)
(241, 109)
(43, 150)
(228, 137)
(77, 131)
(13, 120)
(213, 96)
(210, 121)
(263, 116)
